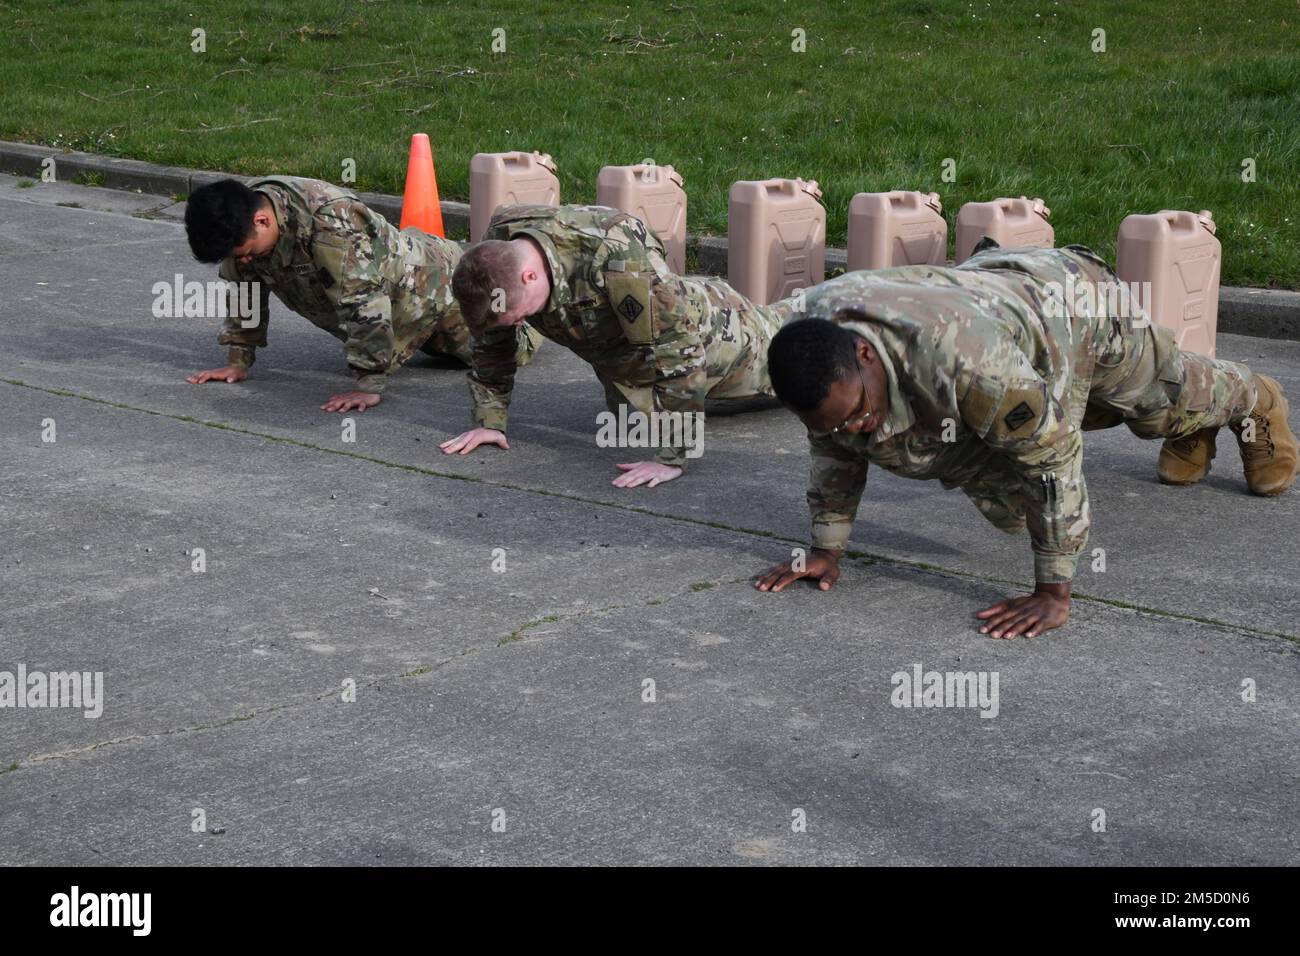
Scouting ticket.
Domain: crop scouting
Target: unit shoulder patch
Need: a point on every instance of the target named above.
(629, 298)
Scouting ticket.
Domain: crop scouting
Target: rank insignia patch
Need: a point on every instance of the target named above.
(1018, 416)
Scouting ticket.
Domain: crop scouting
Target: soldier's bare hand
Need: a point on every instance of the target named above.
(824, 566)
(1030, 615)
(466, 442)
(227, 373)
(637, 473)
(347, 401)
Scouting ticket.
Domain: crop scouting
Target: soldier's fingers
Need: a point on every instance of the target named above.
(998, 625)
(1011, 628)
(995, 621)
(627, 466)
(995, 609)
(1012, 625)
(787, 579)
(827, 582)
(775, 574)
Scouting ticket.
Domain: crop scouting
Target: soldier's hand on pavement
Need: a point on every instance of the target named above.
(822, 565)
(346, 401)
(637, 473)
(1029, 615)
(466, 442)
(227, 373)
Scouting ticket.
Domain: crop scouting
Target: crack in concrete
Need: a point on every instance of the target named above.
(152, 213)
(300, 700)
(516, 635)
(373, 681)
(864, 557)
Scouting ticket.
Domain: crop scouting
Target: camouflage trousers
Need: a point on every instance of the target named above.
(1143, 380)
(720, 330)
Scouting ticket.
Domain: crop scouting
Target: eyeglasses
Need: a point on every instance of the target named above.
(856, 419)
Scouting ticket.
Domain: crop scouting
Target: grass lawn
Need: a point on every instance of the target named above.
(883, 94)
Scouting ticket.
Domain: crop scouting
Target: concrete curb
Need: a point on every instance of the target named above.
(1265, 313)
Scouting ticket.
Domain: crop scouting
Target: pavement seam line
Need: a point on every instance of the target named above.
(301, 700)
(862, 556)
(304, 700)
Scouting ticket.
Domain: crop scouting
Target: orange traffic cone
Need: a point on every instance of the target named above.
(420, 206)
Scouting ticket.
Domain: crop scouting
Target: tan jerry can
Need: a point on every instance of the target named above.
(896, 229)
(776, 238)
(1009, 222)
(1179, 255)
(653, 194)
(501, 179)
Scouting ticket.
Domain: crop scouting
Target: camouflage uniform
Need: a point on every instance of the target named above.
(381, 292)
(658, 341)
(1015, 370)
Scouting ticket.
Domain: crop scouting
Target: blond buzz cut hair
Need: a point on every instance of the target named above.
(485, 268)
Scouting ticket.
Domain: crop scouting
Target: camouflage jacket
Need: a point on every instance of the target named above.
(347, 270)
(989, 369)
(663, 341)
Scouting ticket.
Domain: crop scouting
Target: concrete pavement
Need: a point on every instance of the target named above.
(520, 696)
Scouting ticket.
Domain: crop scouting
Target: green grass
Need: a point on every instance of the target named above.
(885, 92)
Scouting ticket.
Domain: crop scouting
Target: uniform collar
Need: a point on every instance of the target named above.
(900, 417)
(561, 292)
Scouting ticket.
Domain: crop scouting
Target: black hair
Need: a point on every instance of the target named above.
(218, 217)
(806, 358)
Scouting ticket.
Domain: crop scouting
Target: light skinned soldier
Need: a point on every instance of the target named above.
(984, 377)
(595, 280)
(345, 268)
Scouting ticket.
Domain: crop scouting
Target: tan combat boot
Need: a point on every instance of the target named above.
(1269, 460)
(1186, 460)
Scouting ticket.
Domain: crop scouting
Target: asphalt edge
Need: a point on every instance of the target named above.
(1263, 313)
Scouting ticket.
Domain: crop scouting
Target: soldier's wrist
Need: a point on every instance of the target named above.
(370, 382)
(1054, 569)
(496, 423)
(1060, 590)
(241, 356)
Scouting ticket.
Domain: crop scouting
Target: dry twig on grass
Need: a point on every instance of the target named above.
(204, 128)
